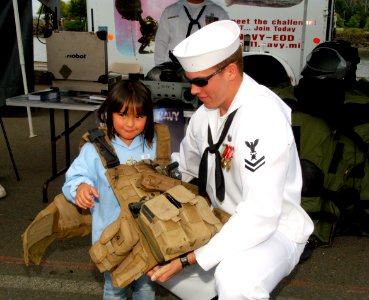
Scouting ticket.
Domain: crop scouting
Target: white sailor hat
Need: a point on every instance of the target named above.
(208, 46)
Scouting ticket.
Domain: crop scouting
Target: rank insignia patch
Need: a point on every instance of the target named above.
(254, 163)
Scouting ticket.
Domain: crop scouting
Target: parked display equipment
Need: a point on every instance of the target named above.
(284, 31)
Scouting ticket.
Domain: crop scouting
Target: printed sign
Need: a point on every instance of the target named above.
(174, 119)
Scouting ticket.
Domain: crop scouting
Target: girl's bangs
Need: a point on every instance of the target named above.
(133, 106)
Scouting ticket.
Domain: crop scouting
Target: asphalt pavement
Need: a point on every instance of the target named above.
(66, 272)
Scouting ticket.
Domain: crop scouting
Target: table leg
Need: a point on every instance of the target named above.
(53, 137)
(9, 149)
(53, 142)
(67, 140)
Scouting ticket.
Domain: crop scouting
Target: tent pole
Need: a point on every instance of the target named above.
(22, 63)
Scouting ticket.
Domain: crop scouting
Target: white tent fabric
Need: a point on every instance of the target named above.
(22, 63)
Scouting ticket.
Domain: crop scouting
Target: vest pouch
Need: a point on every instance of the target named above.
(197, 219)
(211, 219)
(137, 263)
(160, 223)
(114, 244)
(126, 237)
(221, 215)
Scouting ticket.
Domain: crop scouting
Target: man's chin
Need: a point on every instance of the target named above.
(209, 105)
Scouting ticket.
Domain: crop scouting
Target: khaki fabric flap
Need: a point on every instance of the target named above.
(163, 209)
(109, 232)
(39, 234)
(183, 195)
(145, 166)
(53, 223)
(150, 181)
(128, 232)
(98, 253)
(42, 226)
(221, 215)
(205, 212)
(69, 214)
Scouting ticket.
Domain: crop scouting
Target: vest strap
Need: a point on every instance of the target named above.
(97, 137)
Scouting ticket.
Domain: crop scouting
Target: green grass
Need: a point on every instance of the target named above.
(357, 37)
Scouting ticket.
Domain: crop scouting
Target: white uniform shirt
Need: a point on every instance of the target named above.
(263, 185)
(174, 23)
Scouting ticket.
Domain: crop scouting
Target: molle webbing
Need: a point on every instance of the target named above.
(123, 180)
(163, 148)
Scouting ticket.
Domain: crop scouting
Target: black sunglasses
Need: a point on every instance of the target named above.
(203, 81)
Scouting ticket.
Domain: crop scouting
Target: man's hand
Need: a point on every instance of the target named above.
(85, 195)
(164, 273)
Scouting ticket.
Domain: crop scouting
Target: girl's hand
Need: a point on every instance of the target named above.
(85, 196)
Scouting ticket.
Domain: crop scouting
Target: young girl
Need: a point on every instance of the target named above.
(128, 115)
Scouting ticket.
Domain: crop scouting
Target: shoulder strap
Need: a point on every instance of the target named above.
(99, 139)
(163, 148)
(104, 148)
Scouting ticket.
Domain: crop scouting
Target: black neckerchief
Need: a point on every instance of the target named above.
(213, 148)
(193, 21)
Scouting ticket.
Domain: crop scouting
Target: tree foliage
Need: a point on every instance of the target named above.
(352, 13)
(77, 9)
(75, 17)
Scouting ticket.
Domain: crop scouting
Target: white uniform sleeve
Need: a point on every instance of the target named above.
(162, 40)
(260, 200)
(188, 156)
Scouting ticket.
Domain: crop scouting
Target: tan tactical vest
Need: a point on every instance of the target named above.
(62, 219)
(161, 218)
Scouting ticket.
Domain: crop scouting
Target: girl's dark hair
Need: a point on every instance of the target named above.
(132, 96)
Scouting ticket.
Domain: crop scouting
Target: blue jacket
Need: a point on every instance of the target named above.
(88, 168)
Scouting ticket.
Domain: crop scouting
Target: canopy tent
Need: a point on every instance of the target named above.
(16, 67)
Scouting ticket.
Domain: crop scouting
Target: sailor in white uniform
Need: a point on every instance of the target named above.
(181, 19)
(250, 168)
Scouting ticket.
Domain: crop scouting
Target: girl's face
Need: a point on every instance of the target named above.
(128, 124)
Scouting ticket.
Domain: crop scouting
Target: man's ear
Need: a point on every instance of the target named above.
(232, 71)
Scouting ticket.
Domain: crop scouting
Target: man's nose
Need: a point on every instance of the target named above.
(195, 89)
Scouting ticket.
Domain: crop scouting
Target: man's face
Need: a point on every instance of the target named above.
(215, 93)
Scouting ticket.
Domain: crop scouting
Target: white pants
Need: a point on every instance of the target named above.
(250, 274)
